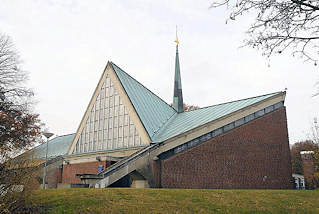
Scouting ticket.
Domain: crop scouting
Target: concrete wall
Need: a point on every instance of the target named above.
(254, 155)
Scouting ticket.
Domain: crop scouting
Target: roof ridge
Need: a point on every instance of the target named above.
(163, 124)
(235, 101)
(112, 63)
(63, 135)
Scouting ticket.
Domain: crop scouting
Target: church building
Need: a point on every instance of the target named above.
(130, 137)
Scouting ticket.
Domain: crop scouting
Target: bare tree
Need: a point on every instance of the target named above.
(19, 129)
(279, 25)
(12, 77)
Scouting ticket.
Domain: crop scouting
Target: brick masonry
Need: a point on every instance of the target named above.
(253, 156)
(70, 170)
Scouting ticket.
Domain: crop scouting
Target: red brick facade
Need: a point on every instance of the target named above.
(255, 155)
(70, 170)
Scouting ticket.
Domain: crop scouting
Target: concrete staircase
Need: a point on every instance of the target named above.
(139, 161)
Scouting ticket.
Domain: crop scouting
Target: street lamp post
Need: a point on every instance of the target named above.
(47, 135)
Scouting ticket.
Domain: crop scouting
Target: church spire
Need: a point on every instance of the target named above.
(178, 95)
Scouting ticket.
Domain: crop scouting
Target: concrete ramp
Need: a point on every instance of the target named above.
(138, 161)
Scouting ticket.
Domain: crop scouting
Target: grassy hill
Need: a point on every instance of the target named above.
(175, 201)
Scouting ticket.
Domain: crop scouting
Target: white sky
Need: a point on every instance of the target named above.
(65, 45)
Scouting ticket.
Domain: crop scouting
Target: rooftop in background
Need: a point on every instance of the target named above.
(57, 146)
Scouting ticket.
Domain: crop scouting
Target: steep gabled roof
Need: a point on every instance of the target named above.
(189, 120)
(57, 146)
(152, 110)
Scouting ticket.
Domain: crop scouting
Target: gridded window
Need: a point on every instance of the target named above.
(260, 113)
(269, 109)
(278, 105)
(249, 117)
(108, 125)
(239, 122)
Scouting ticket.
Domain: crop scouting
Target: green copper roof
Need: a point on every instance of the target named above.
(56, 147)
(178, 95)
(152, 110)
(189, 120)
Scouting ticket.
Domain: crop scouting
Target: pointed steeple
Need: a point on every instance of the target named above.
(178, 95)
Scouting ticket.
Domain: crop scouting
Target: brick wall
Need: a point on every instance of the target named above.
(254, 155)
(70, 170)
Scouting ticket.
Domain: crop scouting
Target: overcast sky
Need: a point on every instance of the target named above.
(65, 45)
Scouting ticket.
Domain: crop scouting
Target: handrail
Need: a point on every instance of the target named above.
(120, 164)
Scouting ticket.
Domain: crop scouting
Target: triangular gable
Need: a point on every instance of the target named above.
(110, 121)
(151, 109)
(181, 123)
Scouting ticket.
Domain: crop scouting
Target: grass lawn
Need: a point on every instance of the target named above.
(122, 200)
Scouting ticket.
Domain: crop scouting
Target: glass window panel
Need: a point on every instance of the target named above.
(217, 132)
(132, 130)
(100, 135)
(111, 91)
(115, 132)
(110, 112)
(260, 113)
(111, 101)
(117, 100)
(95, 135)
(110, 122)
(120, 131)
(116, 110)
(130, 142)
(278, 105)
(126, 130)
(114, 91)
(249, 117)
(106, 124)
(101, 114)
(102, 103)
(97, 114)
(137, 140)
(110, 134)
(126, 119)
(107, 91)
(120, 142)
(115, 143)
(121, 120)
(239, 122)
(108, 81)
(106, 113)
(121, 110)
(86, 137)
(92, 116)
(229, 127)
(104, 134)
(102, 93)
(269, 109)
(115, 122)
(125, 141)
